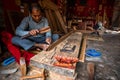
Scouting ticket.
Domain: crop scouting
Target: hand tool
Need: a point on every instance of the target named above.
(42, 30)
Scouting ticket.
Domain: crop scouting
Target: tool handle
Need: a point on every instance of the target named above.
(25, 36)
(43, 30)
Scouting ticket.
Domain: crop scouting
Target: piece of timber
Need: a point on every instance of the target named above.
(48, 17)
(62, 23)
(90, 69)
(43, 59)
(53, 22)
(59, 41)
(48, 4)
(83, 49)
(22, 66)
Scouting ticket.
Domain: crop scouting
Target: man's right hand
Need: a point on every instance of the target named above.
(34, 32)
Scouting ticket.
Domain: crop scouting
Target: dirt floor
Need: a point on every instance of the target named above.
(107, 67)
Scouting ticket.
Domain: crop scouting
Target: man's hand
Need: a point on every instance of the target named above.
(49, 40)
(34, 32)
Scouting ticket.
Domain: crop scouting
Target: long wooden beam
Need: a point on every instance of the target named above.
(47, 4)
(62, 23)
(58, 41)
(83, 49)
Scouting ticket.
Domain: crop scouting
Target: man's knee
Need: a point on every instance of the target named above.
(55, 37)
(15, 40)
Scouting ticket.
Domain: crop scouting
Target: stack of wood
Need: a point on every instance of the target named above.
(53, 15)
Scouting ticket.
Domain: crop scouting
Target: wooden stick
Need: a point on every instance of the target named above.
(32, 76)
(48, 4)
(90, 69)
(83, 49)
(22, 66)
(38, 75)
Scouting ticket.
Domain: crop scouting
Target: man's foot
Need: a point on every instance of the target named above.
(42, 46)
(38, 49)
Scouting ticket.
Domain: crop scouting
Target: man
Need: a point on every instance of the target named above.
(99, 28)
(32, 25)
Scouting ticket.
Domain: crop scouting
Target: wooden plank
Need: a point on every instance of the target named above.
(83, 49)
(48, 4)
(61, 20)
(53, 22)
(49, 19)
(46, 59)
(58, 41)
(90, 69)
(85, 31)
(59, 28)
(96, 38)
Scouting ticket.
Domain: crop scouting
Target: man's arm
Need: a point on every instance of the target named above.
(41, 31)
(21, 29)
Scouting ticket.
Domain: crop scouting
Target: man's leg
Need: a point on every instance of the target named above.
(55, 37)
(26, 44)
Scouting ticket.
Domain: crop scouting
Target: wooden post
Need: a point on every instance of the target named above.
(90, 69)
(22, 66)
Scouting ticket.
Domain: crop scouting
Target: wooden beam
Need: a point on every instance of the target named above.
(58, 41)
(61, 21)
(23, 66)
(48, 4)
(38, 75)
(49, 19)
(83, 49)
(53, 22)
(90, 69)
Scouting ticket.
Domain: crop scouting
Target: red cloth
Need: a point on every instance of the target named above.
(14, 50)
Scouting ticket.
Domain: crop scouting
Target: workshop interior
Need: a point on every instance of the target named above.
(87, 48)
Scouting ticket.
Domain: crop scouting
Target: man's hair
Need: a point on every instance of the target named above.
(37, 6)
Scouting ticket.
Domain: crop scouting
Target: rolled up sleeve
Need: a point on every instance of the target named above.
(21, 29)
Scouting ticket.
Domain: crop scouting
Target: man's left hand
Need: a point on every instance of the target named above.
(48, 40)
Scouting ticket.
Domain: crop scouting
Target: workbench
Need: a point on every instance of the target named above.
(68, 47)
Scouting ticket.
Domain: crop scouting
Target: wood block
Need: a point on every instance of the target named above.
(96, 38)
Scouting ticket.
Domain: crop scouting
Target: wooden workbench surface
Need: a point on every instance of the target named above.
(69, 47)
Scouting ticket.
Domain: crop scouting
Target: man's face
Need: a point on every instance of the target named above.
(36, 15)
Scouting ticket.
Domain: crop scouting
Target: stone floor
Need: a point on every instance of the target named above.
(107, 67)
